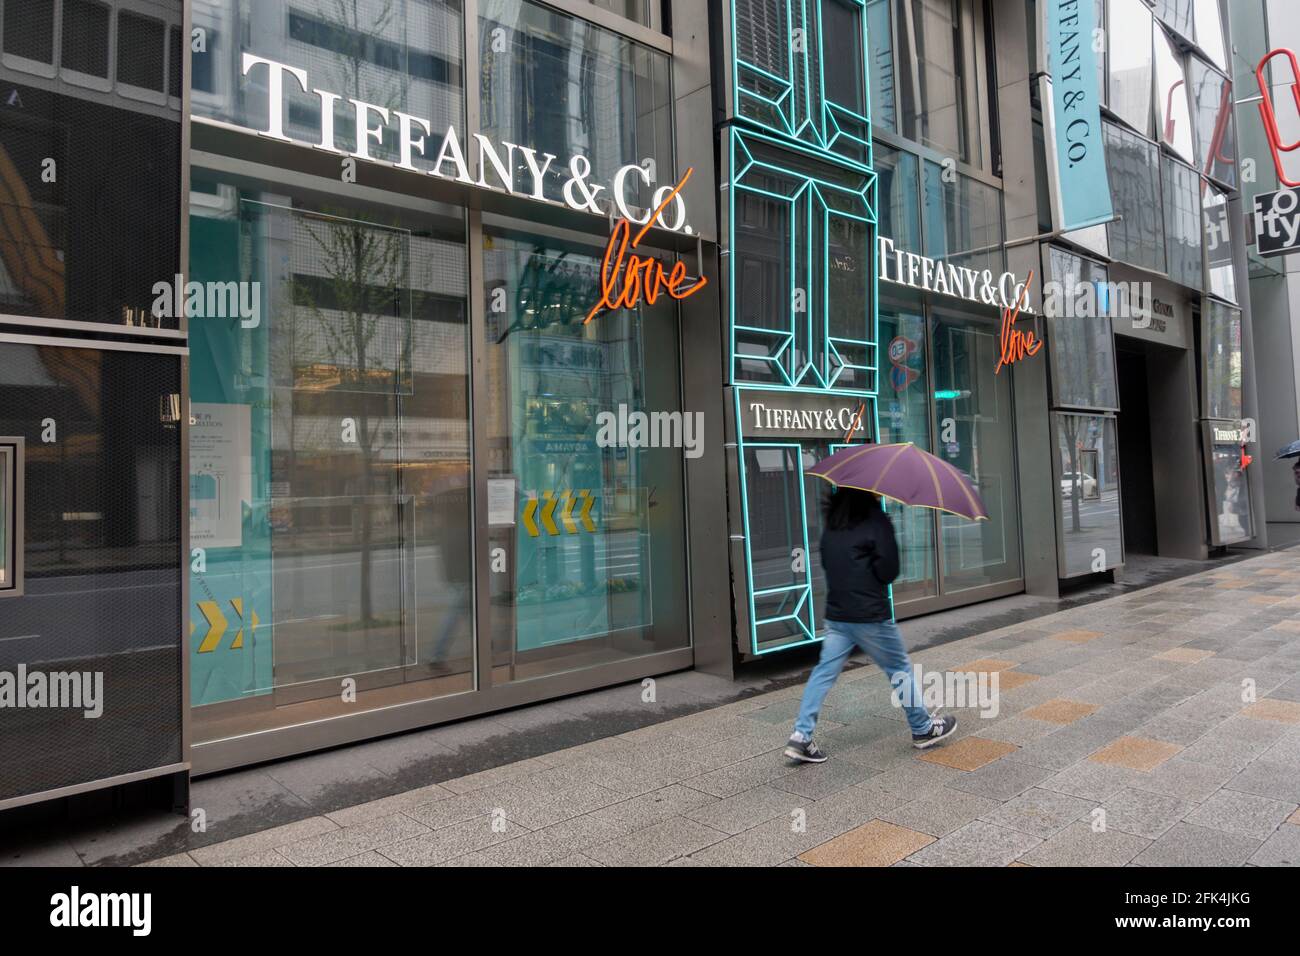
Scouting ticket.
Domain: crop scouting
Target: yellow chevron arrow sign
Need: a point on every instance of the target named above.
(530, 516)
(565, 503)
(217, 623)
(566, 512)
(548, 512)
(585, 515)
(216, 626)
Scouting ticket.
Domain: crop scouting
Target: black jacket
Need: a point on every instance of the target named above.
(860, 564)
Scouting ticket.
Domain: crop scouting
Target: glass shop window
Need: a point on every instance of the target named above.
(1218, 245)
(880, 64)
(1214, 123)
(963, 221)
(1079, 333)
(933, 91)
(1177, 16)
(1133, 163)
(1088, 469)
(1183, 231)
(586, 439)
(637, 11)
(904, 415)
(1221, 345)
(1129, 51)
(568, 87)
(899, 192)
(1173, 115)
(1209, 31)
(403, 54)
(329, 458)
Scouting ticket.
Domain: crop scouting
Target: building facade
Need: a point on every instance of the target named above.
(1265, 30)
(470, 353)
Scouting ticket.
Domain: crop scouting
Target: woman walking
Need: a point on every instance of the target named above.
(860, 557)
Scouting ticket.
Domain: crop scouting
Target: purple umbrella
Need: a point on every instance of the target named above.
(903, 473)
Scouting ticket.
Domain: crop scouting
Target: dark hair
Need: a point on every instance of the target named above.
(849, 507)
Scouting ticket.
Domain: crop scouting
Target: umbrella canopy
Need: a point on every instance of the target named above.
(903, 473)
(1290, 451)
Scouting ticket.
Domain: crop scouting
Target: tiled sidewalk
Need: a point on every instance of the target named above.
(1126, 734)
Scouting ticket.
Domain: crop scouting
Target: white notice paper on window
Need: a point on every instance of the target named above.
(501, 501)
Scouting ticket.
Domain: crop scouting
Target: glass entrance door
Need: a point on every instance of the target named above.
(975, 432)
(942, 394)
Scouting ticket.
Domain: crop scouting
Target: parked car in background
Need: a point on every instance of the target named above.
(1086, 483)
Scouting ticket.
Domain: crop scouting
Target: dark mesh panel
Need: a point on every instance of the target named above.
(141, 47)
(29, 29)
(89, 178)
(116, 180)
(103, 561)
(85, 37)
(175, 64)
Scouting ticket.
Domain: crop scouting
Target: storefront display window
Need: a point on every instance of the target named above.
(329, 458)
(588, 513)
(1128, 50)
(1138, 235)
(904, 416)
(1218, 245)
(963, 220)
(1215, 126)
(1079, 334)
(1222, 347)
(1173, 116)
(976, 434)
(565, 86)
(1088, 469)
(1183, 230)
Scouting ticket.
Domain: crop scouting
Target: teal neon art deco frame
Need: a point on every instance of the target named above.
(782, 87)
(814, 346)
(806, 159)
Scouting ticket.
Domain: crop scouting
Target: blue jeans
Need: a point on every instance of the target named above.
(883, 643)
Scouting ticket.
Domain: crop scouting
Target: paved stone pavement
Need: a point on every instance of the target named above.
(1157, 728)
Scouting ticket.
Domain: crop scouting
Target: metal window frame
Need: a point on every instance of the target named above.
(12, 457)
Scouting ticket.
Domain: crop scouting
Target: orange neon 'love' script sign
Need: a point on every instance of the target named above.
(1013, 343)
(626, 278)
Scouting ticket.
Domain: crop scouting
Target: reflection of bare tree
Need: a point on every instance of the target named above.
(364, 272)
(353, 45)
(1070, 425)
